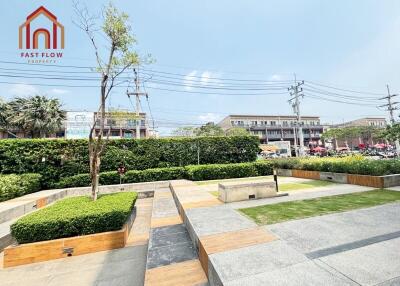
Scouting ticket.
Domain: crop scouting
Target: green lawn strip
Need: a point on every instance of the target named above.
(214, 193)
(285, 187)
(210, 182)
(270, 214)
(75, 216)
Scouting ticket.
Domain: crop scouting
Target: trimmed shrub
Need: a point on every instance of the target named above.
(112, 178)
(56, 159)
(195, 173)
(75, 216)
(351, 165)
(13, 186)
(221, 171)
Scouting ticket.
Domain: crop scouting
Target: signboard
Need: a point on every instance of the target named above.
(78, 125)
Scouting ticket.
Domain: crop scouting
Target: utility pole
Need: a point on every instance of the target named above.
(391, 106)
(137, 94)
(295, 91)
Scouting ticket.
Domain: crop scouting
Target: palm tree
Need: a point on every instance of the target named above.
(4, 111)
(37, 115)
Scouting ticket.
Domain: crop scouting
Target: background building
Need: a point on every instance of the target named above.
(78, 124)
(276, 127)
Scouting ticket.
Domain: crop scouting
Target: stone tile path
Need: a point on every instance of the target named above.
(172, 258)
(234, 251)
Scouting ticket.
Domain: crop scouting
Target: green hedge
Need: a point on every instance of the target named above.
(111, 178)
(13, 186)
(195, 173)
(356, 165)
(55, 159)
(75, 216)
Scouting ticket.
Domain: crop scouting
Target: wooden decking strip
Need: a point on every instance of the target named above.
(231, 240)
(164, 221)
(188, 273)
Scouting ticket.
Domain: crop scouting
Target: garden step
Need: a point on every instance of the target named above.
(172, 258)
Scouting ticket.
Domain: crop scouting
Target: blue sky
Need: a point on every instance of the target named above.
(345, 44)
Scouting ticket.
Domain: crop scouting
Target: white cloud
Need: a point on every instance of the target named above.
(205, 77)
(209, 117)
(275, 77)
(22, 89)
(59, 91)
(189, 79)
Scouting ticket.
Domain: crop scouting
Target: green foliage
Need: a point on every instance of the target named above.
(75, 216)
(37, 115)
(392, 132)
(346, 133)
(195, 172)
(237, 131)
(221, 171)
(56, 159)
(226, 171)
(13, 186)
(112, 178)
(209, 129)
(350, 165)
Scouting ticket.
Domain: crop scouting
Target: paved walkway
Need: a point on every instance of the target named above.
(234, 251)
(172, 258)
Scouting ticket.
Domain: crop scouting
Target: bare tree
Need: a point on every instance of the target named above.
(118, 57)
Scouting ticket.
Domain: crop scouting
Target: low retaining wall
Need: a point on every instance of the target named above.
(20, 206)
(65, 247)
(386, 181)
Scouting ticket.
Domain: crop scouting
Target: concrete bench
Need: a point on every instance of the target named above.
(234, 192)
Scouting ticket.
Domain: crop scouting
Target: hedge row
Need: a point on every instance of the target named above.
(55, 159)
(75, 216)
(195, 173)
(350, 165)
(13, 186)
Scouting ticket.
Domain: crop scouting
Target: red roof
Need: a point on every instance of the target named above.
(41, 9)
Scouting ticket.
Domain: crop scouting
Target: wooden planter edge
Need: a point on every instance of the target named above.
(28, 253)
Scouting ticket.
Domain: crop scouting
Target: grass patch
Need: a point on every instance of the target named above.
(75, 216)
(214, 193)
(210, 182)
(270, 214)
(304, 185)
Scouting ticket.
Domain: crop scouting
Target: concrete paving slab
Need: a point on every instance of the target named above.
(369, 265)
(252, 260)
(304, 273)
(213, 220)
(336, 189)
(311, 234)
(168, 245)
(170, 254)
(125, 266)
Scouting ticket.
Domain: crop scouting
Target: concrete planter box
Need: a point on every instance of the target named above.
(284, 172)
(333, 177)
(234, 192)
(386, 181)
(28, 253)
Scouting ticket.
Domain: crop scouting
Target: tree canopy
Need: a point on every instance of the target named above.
(37, 115)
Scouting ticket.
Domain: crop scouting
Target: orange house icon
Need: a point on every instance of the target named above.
(50, 39)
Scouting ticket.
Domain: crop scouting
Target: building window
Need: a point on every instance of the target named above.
(285, 123)
(273, 123)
